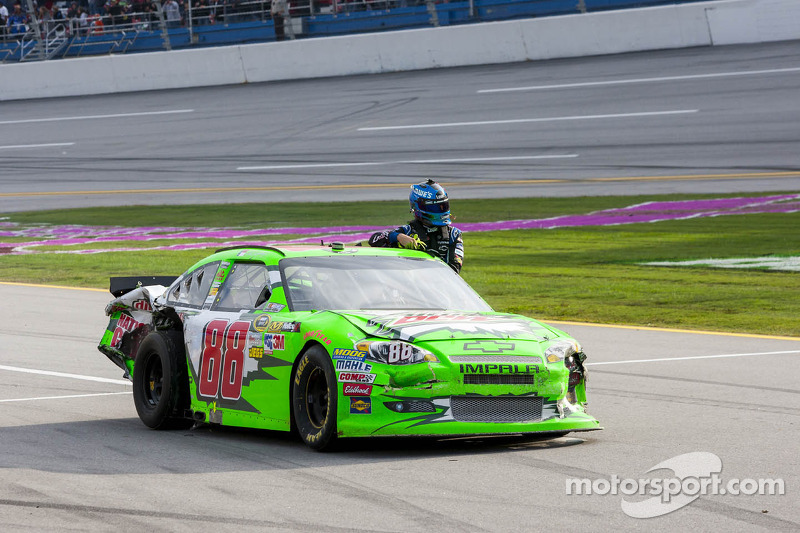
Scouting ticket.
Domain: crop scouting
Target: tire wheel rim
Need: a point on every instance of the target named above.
(317, 398)
(153, 380)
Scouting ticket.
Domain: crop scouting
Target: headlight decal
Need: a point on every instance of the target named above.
(560, 350)
(395, 352)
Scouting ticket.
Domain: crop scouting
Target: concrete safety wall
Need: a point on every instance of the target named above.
(676, 26)
(754, 22)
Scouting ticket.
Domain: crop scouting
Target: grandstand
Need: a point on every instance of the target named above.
(119, 26)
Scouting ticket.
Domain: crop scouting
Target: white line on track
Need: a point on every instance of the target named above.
(65, 397)
(63, 375)
(525, 120)
(691, 358)
(92, 117)
(640, 80)
(411, 162)
(125, 382)
(47, 145)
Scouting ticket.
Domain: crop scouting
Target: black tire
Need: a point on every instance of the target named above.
(314, 398)
(160, 383)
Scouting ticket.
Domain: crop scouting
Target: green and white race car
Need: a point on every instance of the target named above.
(335, 341)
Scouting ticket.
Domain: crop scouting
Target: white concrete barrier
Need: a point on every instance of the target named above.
(123, 73)
(177, 69)
(755, 21)
(676, 26)
(479, 44)
(614, 32)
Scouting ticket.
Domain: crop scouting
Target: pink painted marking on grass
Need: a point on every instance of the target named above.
(73, 235)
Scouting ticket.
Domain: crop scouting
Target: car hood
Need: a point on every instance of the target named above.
(438, 326)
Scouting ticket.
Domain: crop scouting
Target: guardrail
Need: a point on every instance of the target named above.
(226, 22)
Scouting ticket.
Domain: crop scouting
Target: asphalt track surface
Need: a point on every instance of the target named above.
(721, 119)
(74, 455)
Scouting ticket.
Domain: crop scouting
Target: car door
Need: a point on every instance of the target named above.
(226, 343)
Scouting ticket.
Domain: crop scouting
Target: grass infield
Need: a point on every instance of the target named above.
(590, 274)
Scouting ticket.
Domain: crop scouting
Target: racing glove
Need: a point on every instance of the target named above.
(412, 242)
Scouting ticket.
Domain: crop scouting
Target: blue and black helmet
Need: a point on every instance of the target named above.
(429, 203)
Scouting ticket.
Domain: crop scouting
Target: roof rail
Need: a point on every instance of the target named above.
(252, 246)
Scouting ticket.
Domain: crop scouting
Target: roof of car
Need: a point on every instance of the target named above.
(273, 254)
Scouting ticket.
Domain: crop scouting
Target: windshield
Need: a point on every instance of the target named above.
(370, 282)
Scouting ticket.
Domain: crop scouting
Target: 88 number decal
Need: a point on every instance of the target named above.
(222, 360)
(400, 352)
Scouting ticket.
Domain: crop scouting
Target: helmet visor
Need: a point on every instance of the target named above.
(434, 206)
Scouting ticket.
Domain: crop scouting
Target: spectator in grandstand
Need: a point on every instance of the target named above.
(96, 26)
(216, 11)
(107, 19)
(125, 12)
(279, 10)
(231, 10)
(45, 20)
(59, 18)
(183, 6)
(172, 12)
(83, 21)
(3, 19)
(17, 21)
(115, 12)
(430, 230)
(200, 13)
(150, 16)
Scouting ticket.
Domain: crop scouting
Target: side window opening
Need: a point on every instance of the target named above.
(266, 292)
(193, 289)
(175, 294)
(246, 287)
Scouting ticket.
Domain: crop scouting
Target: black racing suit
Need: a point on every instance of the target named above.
(443, 242)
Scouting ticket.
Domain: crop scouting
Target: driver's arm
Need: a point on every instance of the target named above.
(402, 237)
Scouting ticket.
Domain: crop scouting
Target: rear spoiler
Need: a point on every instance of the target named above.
(121, 285)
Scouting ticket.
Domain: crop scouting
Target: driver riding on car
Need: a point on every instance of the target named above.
(430, 230)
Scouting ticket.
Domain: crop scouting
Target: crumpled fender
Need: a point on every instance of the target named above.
(131, 318)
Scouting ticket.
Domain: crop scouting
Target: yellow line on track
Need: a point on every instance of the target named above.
(558, 322)
(257, 189)
(702, 176)
(754, 175)
(38, 285)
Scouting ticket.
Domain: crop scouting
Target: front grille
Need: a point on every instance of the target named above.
(418, 407)
(498, 379)
(504, 359)
(496, 408)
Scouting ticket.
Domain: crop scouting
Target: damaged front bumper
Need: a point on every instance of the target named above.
(449, 398)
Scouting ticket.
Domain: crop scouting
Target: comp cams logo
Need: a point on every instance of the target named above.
(695, 474)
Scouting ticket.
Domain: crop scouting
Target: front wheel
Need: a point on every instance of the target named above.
(160, 384)
(314, 398)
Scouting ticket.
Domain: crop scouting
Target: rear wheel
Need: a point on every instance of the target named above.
(160, 384)
(314, 398)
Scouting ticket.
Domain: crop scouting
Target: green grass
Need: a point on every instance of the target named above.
(593, 275)
(327, 214)
(587, 274)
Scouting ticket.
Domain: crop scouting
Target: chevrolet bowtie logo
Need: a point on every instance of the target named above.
(488, 346)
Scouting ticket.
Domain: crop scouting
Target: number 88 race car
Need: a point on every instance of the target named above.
(335, 341)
